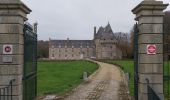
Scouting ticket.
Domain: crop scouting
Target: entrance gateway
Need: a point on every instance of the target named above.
(149, 50)
(30, 63)
(18, 50)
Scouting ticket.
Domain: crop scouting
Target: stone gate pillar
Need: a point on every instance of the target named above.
(13, 14)
(149, 15)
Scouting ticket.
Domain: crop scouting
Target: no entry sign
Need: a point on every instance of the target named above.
(7, 49)
(151, 49)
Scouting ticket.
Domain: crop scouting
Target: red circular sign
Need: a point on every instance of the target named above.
(152, 49)
(7, 49)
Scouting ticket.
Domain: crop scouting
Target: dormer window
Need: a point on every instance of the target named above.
(65, 45)
(59, 45)
(72, 45)
(81, 45)
(87, 45)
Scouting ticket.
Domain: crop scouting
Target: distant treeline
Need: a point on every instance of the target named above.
(43, 49)
(167, 35)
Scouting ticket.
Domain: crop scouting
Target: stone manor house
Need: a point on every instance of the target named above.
(103, 46)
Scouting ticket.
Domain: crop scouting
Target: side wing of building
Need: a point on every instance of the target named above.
(71, 49)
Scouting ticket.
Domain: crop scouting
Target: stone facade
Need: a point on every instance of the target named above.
(71, 49)
(103, 46)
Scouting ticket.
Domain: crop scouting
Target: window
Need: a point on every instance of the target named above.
(65, 45)
(72, 45)
(81, 45)
(52, 55)
(59, 45)
(87, 45)
(87, 49)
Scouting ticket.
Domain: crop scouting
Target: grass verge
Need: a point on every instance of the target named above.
(128, 67)
(59, 77)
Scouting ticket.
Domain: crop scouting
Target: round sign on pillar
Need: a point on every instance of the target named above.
(7, 49)
(151, 49)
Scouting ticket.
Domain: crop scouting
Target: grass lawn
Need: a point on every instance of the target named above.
(167, 83)
(58, 77)
(128, 67)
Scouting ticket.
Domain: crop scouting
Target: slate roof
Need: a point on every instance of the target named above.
(72, 43)
(105, 33)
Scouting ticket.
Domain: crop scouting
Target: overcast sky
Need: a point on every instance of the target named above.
(75, 19)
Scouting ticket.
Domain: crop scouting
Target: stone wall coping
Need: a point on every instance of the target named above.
(149, 5)
(15, 5)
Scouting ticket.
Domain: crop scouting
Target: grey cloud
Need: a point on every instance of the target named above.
(75, 19)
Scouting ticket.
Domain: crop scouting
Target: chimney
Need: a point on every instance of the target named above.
(95, 30)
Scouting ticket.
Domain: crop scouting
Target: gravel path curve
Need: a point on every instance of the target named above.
(105, 84)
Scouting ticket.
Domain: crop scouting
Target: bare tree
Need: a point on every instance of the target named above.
(123, 43)
(167, 33)
(43, 49)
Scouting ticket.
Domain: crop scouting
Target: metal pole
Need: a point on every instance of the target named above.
(136, 62)
(8, 93)
(0, 93)
(4, 93)
(11, 89)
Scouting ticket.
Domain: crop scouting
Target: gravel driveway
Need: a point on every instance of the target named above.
(107, 83)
